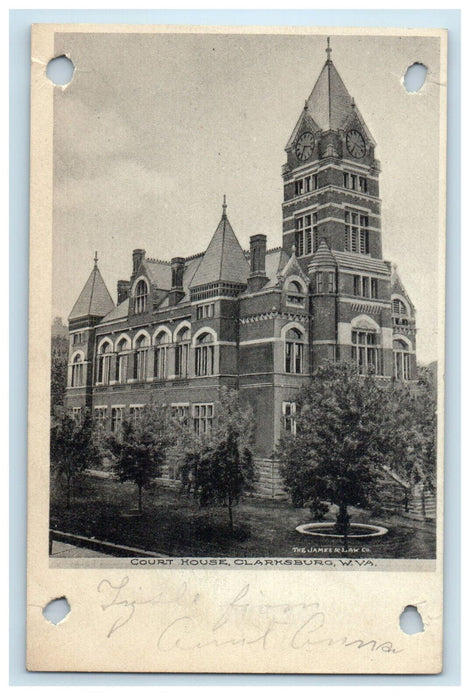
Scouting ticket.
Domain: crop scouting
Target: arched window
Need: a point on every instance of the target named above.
(295, 293)
(401, 359)
(204, 355)
(141, 358)
(182, 352)
(76, 378)
(400, 312)
(141, 297)
(104, 363)
(365, 351)
(122, 360)
(294, 351)
(162, 342)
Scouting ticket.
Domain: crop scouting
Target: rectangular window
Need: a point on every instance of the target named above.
(180, 411)
(204, 360)
(140, 367)
(299, 187)
(121, 369)
(299, 236)
(346, 180)
(161, 358)
(203, 414)
(315, 182)
(308, 183)
(356, 233)
(354, 182)
(364, 351)
(357, 286)
(365, 287)
(76, 413)
(374, 288)
(363, 184)
(135, 412)
(100, 414)
(319, 282)
(288, 417)
(116, 418)
(306, 234)
(331, 282)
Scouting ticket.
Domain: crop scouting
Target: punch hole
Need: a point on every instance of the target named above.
(415, 77)
(56, 610)
(60, 70)
(411, 621)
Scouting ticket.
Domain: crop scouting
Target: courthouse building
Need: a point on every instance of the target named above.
(260, 320)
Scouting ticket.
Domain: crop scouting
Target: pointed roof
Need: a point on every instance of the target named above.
(397, 286)
(330, 106)
(94, 299)
(224, 259)
(323, 255)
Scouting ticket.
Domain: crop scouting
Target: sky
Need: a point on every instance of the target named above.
(154, 129)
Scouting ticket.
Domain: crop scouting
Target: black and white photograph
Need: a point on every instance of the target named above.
(245, 299)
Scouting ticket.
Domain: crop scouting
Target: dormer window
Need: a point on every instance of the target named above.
(400, 313)
(141, 297)
(295, 294)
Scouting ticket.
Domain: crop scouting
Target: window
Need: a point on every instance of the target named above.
(319, 282)
(306, 234)
(121, 361)
(204, 355)
(354, 182)
(104, 364)
(402, 360)
(294, 351)
(135, 412)
(116, 418)
(182, 352)
(203, 414)
(180, 411)
(205, 311)
(295, 294)
(365, 351)
(400, 313)
(305, 185)
(76, 378)
(366, 287)
(101, 413)
(76, 414)
(140, 358)
(356, 232)
(78, 338)
(162, 342)
(374, 288)
(331, 282)
(288, 417)
(141, 297)
(357, 286)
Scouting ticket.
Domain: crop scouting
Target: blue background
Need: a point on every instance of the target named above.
(20, 21)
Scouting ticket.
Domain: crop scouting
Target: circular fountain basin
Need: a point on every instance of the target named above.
(356, 530)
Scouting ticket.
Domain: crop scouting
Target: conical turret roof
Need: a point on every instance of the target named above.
(224, 259)
(330, 106)
(94, 299)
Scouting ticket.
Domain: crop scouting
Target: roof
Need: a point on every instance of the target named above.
(397, 286)
(190, 267)
(224, 259)
(276, 260)
(358, 261)
(323, 255)
(120, 311)
(158, 272)
(94, 299)
(329, 105)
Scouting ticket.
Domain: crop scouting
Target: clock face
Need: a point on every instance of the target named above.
(355, 143)
(304, 145)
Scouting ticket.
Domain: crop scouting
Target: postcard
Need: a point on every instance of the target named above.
(237, 312)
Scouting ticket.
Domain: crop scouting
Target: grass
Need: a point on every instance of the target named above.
(175, 525)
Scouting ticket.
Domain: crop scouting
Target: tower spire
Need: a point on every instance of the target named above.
(96, 259)
(328, 50)
(224, 207)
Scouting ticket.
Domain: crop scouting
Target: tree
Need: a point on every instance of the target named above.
(139, 448)
(338, 450)
(59, 357)
(217, 466)
(72, 450)
(412, 432)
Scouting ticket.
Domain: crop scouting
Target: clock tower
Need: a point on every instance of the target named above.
(331, 185)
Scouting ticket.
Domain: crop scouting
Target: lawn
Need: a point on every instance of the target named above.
(175, 525)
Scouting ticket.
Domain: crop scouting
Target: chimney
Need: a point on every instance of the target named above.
(137, 256)
(257, 277)
(123, 287)
(177, 271)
